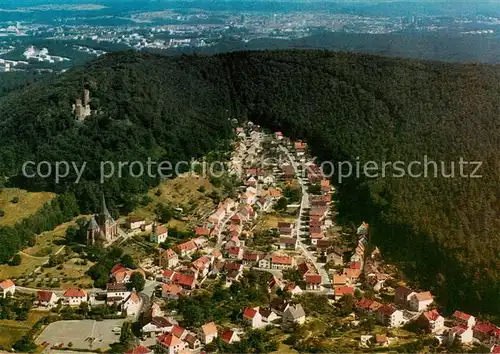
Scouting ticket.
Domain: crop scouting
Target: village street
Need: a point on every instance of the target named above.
(300, 233)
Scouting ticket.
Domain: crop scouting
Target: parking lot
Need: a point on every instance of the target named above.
(82, 334)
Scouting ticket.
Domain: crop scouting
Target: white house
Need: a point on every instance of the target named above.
(7, 287)
(265, 263)
(116, 292)
(420, 301)
(389, 316)
(462, 333)
(253, 317)
(208, 332)
(133, 223)
(464, 318)
(157, 326)
(47, 299)
(433, 321)
(169, 344)
(74, 297)
(132, 304)
(159, 234)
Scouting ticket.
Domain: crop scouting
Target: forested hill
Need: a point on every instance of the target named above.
(443, 231)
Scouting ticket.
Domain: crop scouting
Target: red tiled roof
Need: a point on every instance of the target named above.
(355, 265)
(178, 331)
(226, 336)
(169, 340)
(234, 250)
(139, 350)
(44, 295)
(249, 313)
(281, 259)
(461, 315)
(6, 284)
(495, 349)
(484, 327)
(432, 315)
(202, 231)
(183, 279)
(387, 309)
(313, 279)
(344, 290)
(424, 296)
(117, 268)
(187, 246)
(75, 293)
(209, 328)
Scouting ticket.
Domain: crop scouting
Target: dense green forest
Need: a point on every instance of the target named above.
(442, 231)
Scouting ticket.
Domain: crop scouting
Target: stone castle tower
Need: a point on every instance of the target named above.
(102, 228)
(81, 109)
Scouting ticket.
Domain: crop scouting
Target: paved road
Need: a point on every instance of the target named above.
(304, 204)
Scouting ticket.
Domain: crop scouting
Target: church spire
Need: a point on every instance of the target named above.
(105, 215)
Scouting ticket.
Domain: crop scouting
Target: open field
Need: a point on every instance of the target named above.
(68, 274)
(83, 334)
(47, 242)
(27, 204)
(11, 331)
(28, 265)
(183, 192)
(269, 221)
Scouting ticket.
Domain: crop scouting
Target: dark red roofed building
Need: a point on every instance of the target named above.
(313, 281)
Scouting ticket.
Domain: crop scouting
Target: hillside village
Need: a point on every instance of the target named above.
(263, 259)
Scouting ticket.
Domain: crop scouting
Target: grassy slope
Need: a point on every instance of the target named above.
(29, 203)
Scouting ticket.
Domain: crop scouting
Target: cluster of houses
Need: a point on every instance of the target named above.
(411, 306)
(117, 293)
(172, 338)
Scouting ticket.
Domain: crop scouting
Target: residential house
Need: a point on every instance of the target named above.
(233, 242)
(134, 223)
(252, 317)
(279, 306)
(368, 305)
(235, 253)
(268, 315)
(158, 325)
(402, 296)
(313, 282)
(232, 266)
(389, 316)
(265, 263)
(464, 318)
(332, 256)
(169, 259)
(186, 248)
(74, 297)
(229, 337)
(292, 289)
(171, 291)
(202, 266)
(287, 243)
(121, 274)
(352, 275)
(179, 332)
(159, 234)
(251, 258)
(169, 344)
(282, 262)
(200, 242)
(208, 332)
(132, 304)
(264, 202)
(294, 314)
(315, 237)
(432, 321)
(340, 291)
(7, 288)
(187, 282)
(217, 217)
(46, 298)
(300, 148)
(306, 269)
(420, 301)
(484, 331)
(323, 245)
(116, 293)
(275, 283)
(192, 341)
(461, 333)
(340, 280)
(139, 349)
(202, 231)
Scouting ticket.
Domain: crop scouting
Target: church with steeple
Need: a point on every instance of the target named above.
(102, 228)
